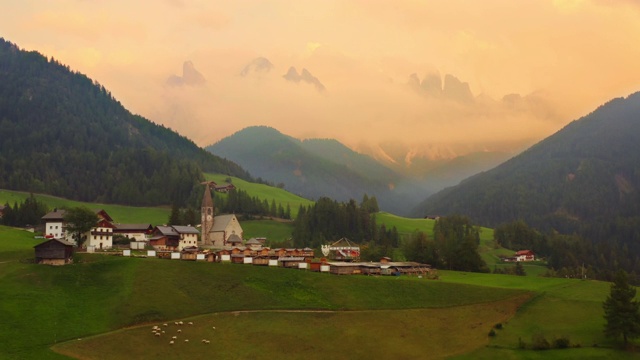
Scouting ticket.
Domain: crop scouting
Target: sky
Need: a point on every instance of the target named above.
(491, 74)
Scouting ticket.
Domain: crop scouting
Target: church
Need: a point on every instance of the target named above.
(217, 231)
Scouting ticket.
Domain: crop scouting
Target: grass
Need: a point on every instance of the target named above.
(274, 231)
(309, 335)
(263, 192)
(398, 317)
(119, 213)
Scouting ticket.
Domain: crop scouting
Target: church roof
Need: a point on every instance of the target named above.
(222, 221)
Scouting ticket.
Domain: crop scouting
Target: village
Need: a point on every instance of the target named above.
(219, 239)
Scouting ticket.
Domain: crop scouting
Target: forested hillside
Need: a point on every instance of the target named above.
(583, 182)
(63, 134)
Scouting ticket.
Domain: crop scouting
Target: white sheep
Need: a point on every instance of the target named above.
(190, 323)
(174, 337)
(171, 342)
(179, 330)
(165, 324)
(157, 334)
(186, 340)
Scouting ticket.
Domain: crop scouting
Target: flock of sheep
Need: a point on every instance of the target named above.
(157, 331)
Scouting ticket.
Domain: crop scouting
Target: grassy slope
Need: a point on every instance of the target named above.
(263, 192)
(119, 213)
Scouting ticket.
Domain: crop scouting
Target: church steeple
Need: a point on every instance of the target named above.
(207, 211)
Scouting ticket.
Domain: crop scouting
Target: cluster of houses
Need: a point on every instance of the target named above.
(220, 239)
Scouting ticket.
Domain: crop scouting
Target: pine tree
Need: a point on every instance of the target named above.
(621, 311)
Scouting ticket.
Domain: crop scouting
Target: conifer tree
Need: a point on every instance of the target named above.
(621, 311)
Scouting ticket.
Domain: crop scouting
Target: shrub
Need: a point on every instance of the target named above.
(561, 342)
(498, 326)
(539, 342)
(492, 333)
(521, 344)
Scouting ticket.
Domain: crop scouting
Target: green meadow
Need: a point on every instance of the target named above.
(104, 306)
(119, 213)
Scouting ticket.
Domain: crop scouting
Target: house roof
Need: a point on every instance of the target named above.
(57, 214)
(182, 229)
(344, 242)
(63, 242)
(103, 214)
(133, 227)
(221, 222)
(524, 252)
(166, 230)
(252, 241)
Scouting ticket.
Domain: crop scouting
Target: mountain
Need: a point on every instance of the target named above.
(435, 167)
(315, 168)
(585, 174)
(63, 134)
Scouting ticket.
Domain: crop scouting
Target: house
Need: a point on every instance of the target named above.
(54, 225)
(224, 188)
(254, 244)
(525, 255)
(342, 250)
(136, 232)
(54, 252)
(188, 236)
(2, 209)
(173, 238)
(100, 236)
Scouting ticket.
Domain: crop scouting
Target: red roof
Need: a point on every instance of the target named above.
(525, 252)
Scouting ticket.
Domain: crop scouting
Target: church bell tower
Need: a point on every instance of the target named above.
(207, 214)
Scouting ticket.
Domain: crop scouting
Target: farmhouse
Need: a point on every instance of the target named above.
(525, 255)
(173, 238)
(54, 252)
(136, 232)
(342, 250)
(100, 236)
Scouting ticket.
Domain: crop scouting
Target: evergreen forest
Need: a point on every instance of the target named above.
(63, 134)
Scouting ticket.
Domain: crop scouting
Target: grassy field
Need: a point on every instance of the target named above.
(398, 317)
(119, 213)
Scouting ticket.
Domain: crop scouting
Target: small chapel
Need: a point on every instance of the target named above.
(220, 231)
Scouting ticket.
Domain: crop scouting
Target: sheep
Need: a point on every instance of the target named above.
(190, 323)
(171, 342)
(163, 331)
(165, 324)
(157, 334)
(214, 328)
(179, 330)
(176, 322)
(174, 337)
(186, 340)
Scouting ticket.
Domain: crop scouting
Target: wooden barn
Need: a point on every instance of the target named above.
(54, 252)
(344, 268)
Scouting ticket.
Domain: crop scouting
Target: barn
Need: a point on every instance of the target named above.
(54, 252)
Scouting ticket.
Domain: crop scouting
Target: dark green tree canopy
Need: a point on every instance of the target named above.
(79, 221)
(621, 310)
